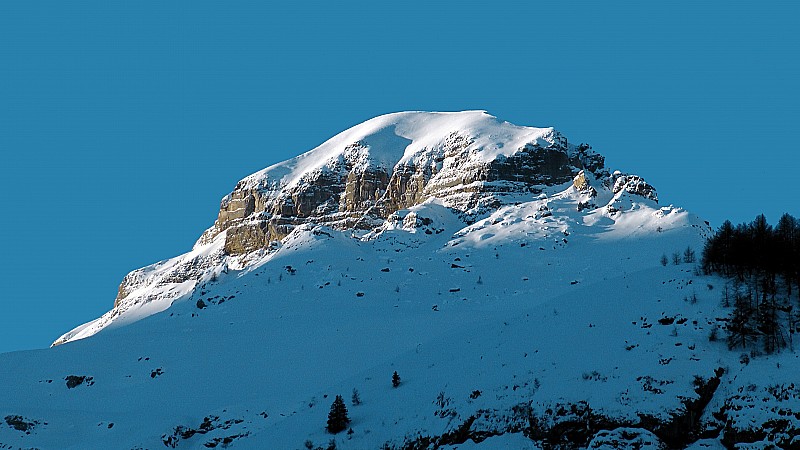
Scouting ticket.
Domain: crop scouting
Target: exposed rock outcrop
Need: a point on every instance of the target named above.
(21, 423)
(633, 184)
(346, 193)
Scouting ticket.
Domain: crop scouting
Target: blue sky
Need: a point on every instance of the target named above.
(122, 124)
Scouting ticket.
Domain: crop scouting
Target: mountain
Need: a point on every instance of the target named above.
(512, 282)
(469, 162)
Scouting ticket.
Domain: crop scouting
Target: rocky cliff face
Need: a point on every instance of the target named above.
(469, 161)
(346, 193)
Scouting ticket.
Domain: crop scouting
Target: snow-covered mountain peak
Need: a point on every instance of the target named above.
(405, 138)
(425, 175)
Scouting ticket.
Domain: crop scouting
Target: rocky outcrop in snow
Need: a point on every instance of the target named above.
(465, 160)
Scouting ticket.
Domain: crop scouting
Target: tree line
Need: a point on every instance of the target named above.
(763, 263)
(756, 248)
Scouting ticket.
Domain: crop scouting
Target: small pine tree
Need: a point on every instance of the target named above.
(337, 417)
(356, 398)
(689, 256)
(395, 379)
(769, 324)
(741, 331)
(726, 301)
(676, 258)
(713, 336)
(664, 260)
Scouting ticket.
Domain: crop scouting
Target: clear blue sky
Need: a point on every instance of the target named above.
(122, 124)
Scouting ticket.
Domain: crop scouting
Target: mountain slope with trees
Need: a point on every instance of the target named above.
(471, 284)
(763, 264)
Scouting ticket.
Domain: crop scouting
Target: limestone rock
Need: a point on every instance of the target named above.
(348, 193)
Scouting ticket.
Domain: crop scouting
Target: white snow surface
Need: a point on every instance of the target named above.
(534, 307)
(401, 137)
(517, 306)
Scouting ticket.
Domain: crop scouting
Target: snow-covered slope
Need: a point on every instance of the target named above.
(539, 316)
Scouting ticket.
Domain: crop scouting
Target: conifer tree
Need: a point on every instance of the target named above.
(769, 326)
(337, 417)
(741, 331)
(787, 235)
(395, 379)
(676, 258)
(688, 255)
(761, 232)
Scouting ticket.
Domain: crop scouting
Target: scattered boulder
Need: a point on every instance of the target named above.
(209, 423)
(20, 423)
(74, 381)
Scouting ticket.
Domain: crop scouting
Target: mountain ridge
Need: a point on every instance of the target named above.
(470, 160)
